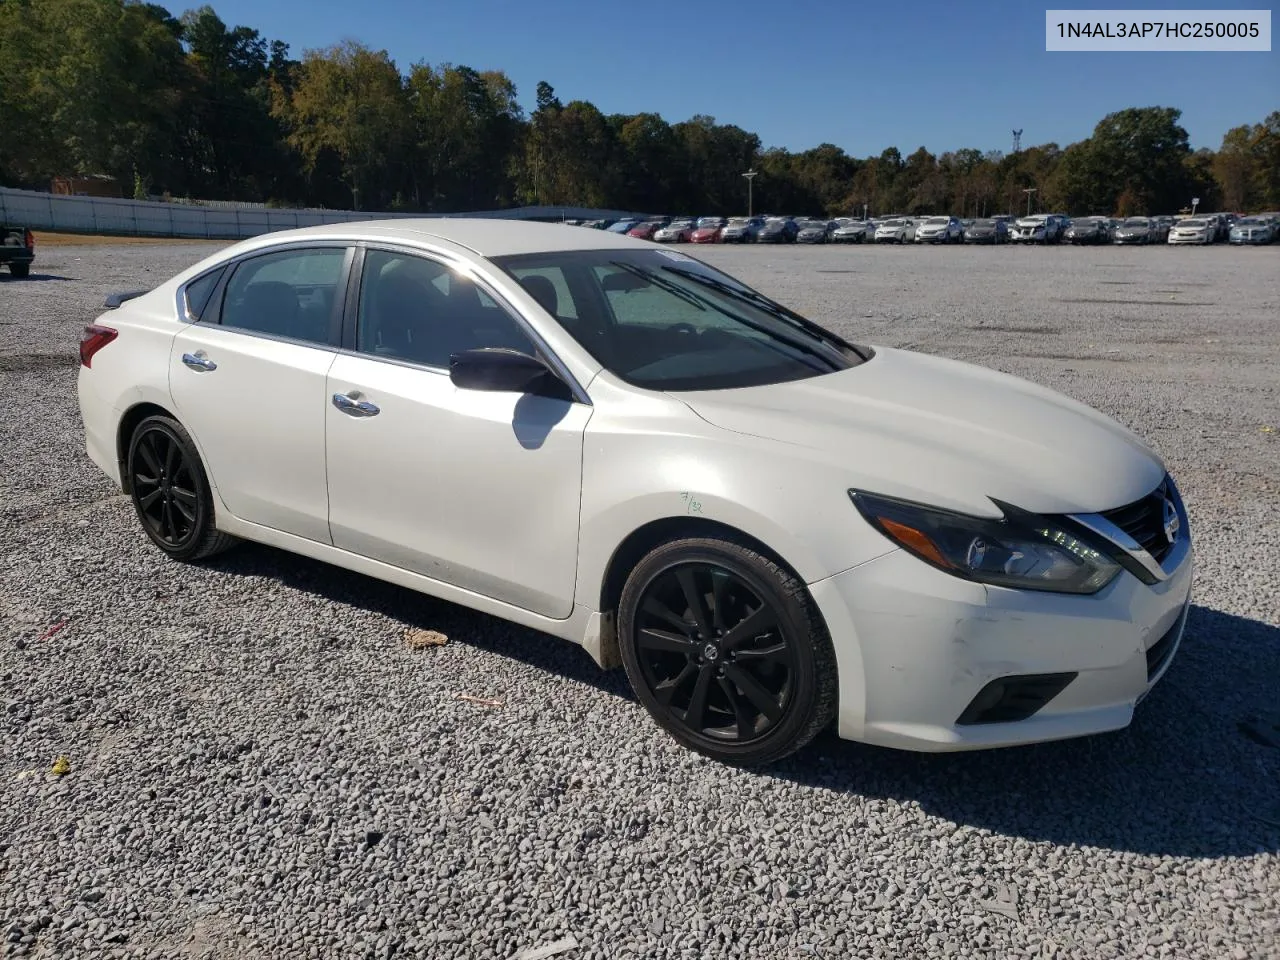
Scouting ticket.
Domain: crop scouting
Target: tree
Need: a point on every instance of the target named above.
(466, 125)
(349, 101)
(1140, 153)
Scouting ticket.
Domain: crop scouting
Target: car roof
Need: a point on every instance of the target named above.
(488, 237)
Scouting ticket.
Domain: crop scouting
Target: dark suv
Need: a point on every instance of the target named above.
(17, 249)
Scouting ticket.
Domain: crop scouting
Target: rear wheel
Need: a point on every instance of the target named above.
(727, 651)
(170, 491)
(20, 270)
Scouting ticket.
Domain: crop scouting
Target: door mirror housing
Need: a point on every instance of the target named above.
(504, 370)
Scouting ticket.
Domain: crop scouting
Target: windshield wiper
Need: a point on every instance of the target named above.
(803, 347)
(764, 303)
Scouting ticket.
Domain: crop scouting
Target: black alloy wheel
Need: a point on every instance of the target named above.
(170, 491)
(726, 651)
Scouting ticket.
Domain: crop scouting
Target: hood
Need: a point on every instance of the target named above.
(946, 433)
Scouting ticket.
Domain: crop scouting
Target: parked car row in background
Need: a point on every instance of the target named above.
(1042, 228)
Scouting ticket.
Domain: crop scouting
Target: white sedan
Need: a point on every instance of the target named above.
(773, 529)
(1193, 230)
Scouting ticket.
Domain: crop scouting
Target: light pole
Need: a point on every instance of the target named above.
(1029, 191)
(864, 212)
(750, 175)
(1195, 202)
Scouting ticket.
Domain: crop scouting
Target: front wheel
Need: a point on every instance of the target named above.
(727, 651)
(170, 491)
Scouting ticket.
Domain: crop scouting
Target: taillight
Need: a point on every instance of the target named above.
(29, 239)
(94, 339)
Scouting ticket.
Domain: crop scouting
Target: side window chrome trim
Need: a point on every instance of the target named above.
(228, 267)
(482, 283)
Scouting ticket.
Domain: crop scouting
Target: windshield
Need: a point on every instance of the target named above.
(1192, 223)
(679, 225)
(892, 223)
(1250, 222)
(710, 222)
(664, 321)
(984, 223)
(813, 225)
(937, 221)
(1137, 222)
(622, 226)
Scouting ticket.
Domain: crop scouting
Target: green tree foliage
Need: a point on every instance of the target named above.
(193, 106)
(349, 106)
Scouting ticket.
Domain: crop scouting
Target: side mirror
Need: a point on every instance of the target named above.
(505, 371)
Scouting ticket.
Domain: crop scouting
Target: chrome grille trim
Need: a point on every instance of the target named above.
(1159, 569)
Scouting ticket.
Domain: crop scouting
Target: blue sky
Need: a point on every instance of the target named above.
(859, 74)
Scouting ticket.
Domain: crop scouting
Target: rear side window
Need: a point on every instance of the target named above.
(288, 294)
(199, 291)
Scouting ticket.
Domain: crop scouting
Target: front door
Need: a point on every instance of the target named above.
(477, 489)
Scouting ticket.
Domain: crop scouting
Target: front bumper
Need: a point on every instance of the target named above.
(915, 646)
(1203, 239)
(1127, 240)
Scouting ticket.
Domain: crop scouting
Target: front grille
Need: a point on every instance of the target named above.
(1144, 520)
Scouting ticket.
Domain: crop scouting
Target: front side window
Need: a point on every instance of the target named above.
(665, 321)
(422, 311)
(288, 294)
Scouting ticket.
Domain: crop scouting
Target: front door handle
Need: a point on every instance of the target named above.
(355, 408)
(198, 361)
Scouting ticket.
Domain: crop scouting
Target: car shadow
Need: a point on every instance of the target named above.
(1196, 773)
(6, 277)
(415, 610)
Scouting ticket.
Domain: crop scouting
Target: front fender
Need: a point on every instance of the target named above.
(661, 461)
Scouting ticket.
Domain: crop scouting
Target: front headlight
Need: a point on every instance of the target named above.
(1023, 550)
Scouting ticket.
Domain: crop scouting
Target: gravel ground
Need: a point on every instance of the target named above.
(261, 766)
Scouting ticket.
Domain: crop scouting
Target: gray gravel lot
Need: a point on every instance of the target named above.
(260, 766)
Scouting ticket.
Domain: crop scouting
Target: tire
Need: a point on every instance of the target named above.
(757, 649)
(164, 468)
(20, 270)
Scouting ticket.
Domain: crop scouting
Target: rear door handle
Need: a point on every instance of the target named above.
(198, 361)
(355, 408)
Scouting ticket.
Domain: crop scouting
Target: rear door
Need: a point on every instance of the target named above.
(248, 381)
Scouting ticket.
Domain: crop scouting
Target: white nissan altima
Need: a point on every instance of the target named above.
(770, 527)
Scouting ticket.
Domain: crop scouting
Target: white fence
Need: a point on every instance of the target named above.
(69, 214)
